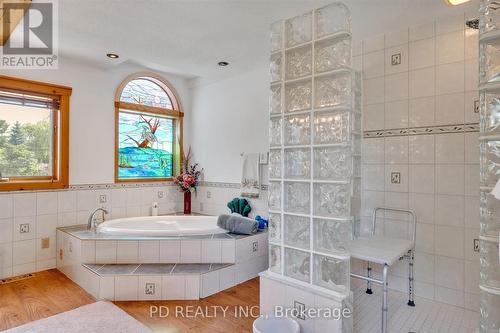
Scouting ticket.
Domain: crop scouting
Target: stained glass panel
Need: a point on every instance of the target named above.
(145, 91)
(145, 147)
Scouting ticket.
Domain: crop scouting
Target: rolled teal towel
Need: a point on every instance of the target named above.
(238, 224)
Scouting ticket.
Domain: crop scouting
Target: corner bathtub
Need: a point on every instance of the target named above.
(157, 226)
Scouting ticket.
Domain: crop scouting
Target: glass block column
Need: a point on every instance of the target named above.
(315, 148)
(489, 77)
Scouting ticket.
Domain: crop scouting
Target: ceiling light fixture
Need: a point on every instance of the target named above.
(455, 2)
(112, 56)
(223, 63)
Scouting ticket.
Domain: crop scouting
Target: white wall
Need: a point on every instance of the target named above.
(92, 113)
(230, 117)
(435, 85)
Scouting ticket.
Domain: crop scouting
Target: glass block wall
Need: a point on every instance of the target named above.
(315, 148)
(489, 78)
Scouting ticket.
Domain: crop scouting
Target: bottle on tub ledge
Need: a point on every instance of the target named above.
(154, 209)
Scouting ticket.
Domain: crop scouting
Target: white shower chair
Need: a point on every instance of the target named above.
(385, 251)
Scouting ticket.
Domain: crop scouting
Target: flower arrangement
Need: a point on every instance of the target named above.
(189, 176)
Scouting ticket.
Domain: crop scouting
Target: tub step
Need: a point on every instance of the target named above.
(131, 282)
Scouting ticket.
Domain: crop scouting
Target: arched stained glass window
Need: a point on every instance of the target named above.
(146, 91)
(148, 130)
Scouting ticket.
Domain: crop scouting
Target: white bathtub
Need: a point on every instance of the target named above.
(161, 226)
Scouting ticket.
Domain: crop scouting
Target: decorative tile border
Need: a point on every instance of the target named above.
(228, 185)
(459, 128)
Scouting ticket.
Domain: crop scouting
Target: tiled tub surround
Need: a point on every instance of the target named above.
(434, 85)
(120, 267)
(39, 213)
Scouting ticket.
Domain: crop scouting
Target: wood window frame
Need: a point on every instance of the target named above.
(60, 144)
(175, 114)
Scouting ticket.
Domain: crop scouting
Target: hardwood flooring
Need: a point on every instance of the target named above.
(50, 292)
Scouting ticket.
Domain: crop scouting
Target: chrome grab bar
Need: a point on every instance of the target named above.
(407, 211)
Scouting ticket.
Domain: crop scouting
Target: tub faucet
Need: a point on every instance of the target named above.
(92, 225)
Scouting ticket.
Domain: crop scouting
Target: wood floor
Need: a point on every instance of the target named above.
(50, 292)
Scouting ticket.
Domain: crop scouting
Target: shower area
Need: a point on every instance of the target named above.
(315, 166)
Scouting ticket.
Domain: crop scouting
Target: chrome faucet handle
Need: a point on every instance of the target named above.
(92, 223)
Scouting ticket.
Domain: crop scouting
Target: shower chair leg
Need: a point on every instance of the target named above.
(368, 282)
(411, 302)
(384, 299)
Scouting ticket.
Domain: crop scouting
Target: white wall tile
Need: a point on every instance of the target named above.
(373, 151)
(396, 87)
(105, 252)
(6, 225)
(88, 251)
(18, 222)
(374, 177)
(425, 270)
(107, 288)
(471, 74)
(421, 111)
(450, 179)
(471, 43)
(126, 288)
(422, 31)
(48, 254)
(209, 283)
(374, 91)
(450, 109)
(422, 82)
(471, 211)
(450, 47)
(450, 148)
(403, 170)
(450, 78)
(357, 48)
(46, 225)
(24, 204)
(396, 114)
(422, 53)
(373, 117)
(470, 236)
(373, 64)
(6, 206)
(424, 239)
(423, 206)
(396, 150)
(471, 148)
(211, 251)
(66, 201)
(228, 251)
(127, 252)
(449, 210)
(46, 203)
(149, 287)
(449, 241)
(374, 43)
(449, 24)
(170, 251)
(472, 276)
(421, 149)
(471, 101)
(149, 251)
(471, 173)
(421, 178)
(395, 38)
(190, 251)
(402, 51)
(449, 273)
(24, 252)
(5, 257)
(173, 287)
(192, 289)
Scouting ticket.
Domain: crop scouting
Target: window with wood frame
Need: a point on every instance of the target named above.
(34, 134)
(148, 130)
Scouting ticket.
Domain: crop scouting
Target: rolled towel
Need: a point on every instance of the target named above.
(238, 224)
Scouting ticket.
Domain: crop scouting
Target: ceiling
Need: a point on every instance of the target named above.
(189, 37)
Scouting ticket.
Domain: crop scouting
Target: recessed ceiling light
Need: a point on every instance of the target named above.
(112, 56)
(455, 2)
(223, 63)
